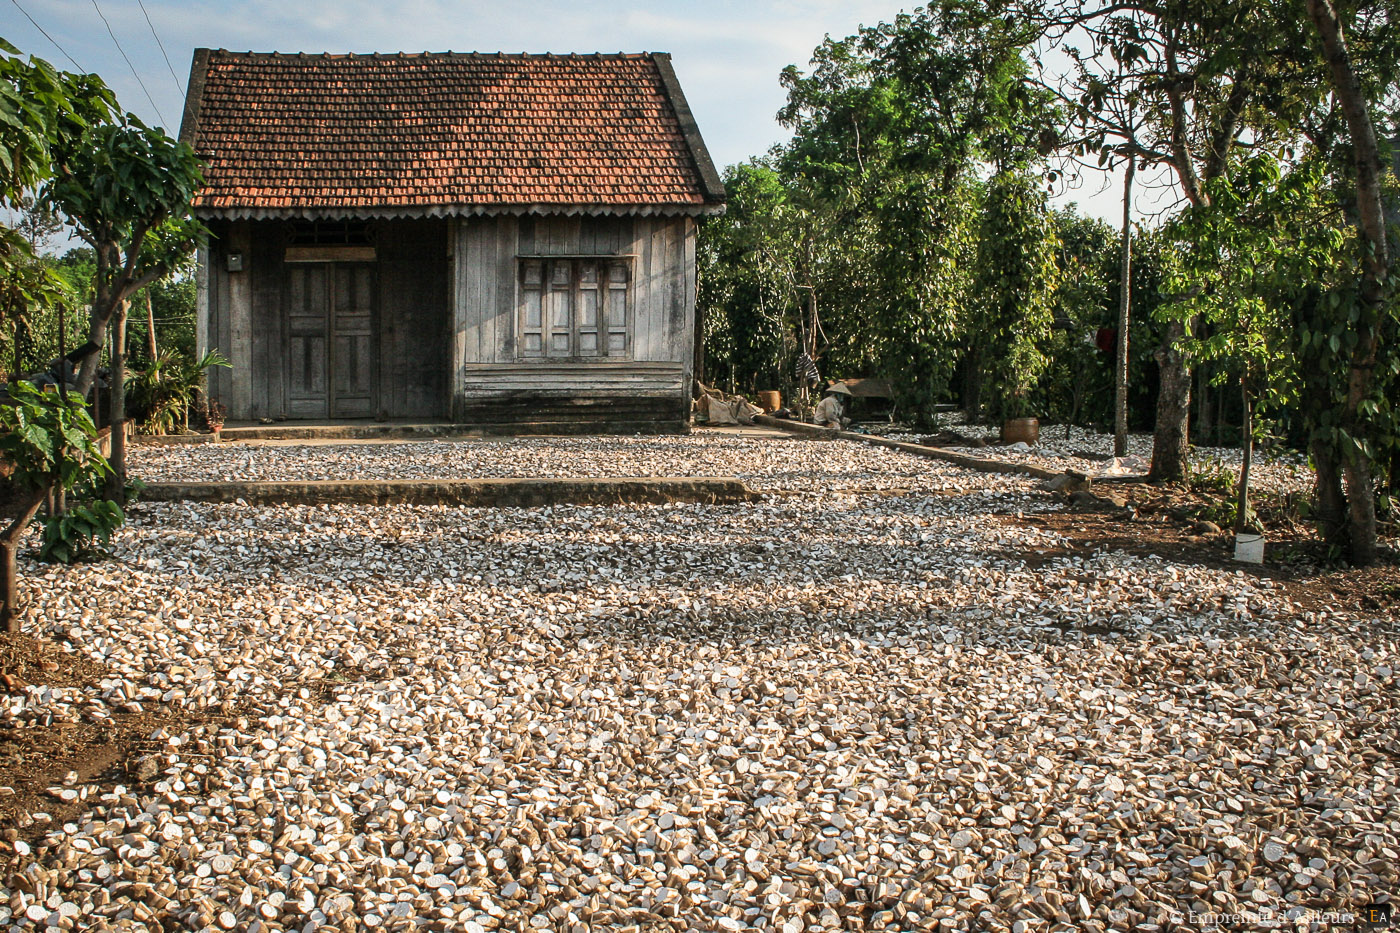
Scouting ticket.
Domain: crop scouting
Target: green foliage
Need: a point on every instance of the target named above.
(1016, 281)
(1210, 475)
(49, 439)
(173, 307)
(1237, 269)
(51, 444)
(160, 394)
(872, 207)
(921, 279)
(126, 188)
(1267, 269)
(41, 109)
(125, 183)
(31, 291)
(1078, 379)
(745, 293)
(80, 533)
(909, 201)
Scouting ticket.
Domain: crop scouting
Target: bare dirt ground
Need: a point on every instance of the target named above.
(1295, 558)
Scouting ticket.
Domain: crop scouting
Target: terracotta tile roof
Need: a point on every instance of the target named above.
(443, 133)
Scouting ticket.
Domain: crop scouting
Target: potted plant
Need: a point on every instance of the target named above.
(1018, 426)
(214, 416)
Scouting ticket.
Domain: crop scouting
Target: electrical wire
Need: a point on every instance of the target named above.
(161, 44)
(49, 37)
(128, 61)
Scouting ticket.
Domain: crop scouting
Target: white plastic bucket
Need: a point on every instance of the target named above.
(1249, 548)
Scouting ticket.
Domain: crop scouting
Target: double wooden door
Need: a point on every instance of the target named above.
(331, 369)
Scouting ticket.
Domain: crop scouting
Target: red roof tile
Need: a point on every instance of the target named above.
(444, 132)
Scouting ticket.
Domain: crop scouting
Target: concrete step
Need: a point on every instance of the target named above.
(288, 431)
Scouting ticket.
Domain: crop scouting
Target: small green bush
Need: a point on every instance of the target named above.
(159, 395)
(81, 533)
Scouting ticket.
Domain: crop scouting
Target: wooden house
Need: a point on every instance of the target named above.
(506, 241)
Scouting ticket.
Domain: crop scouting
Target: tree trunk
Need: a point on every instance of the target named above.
(1331, 506)
(1361, 510)
(1205, 420)
(9, 559)
(87, 369)
(1170, 438)
(9, 588)
(972, 387)
(1247, 448)
(116, 481)
(1120, 375)
(1370, 223)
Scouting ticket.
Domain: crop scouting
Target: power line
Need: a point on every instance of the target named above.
(49, 37)
(180, 87)
(128, 61)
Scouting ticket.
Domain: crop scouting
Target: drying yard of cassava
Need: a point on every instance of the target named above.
(880, 697)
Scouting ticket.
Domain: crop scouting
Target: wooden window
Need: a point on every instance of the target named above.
(574, 308)
(331, 233)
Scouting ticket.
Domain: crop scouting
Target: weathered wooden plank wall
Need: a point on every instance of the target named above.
(265, 376)
(240, 327)
(202, 317)
(445, 318)
(489, 379)
(688, 318)
(651, 383)
(220, 331)
(414, 318)
(484, 299)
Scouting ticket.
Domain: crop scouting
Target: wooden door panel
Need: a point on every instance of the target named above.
(352, 353)
(354, 384)
(307, 306)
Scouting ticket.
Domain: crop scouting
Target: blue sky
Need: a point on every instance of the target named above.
(727, 54)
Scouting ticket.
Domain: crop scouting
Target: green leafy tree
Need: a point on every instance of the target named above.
(1016, 280)
(41, 109)
(49, 442)
(42, 112)
(895, 124)
(1239, 261)
(1361, 51)
(1195, 86)
(32, 295)
(126, 188)
(1076, 382)
(1179, 85)
(753, 262)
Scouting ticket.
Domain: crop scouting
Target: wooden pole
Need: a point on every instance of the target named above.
(150, 328)
(1247, 447)
(116, 481)
(1120, 375)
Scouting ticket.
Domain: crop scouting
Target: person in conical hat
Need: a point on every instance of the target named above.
(830, 411)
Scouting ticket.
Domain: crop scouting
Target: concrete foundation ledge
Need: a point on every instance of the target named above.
(449, 430)
(501, 493)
